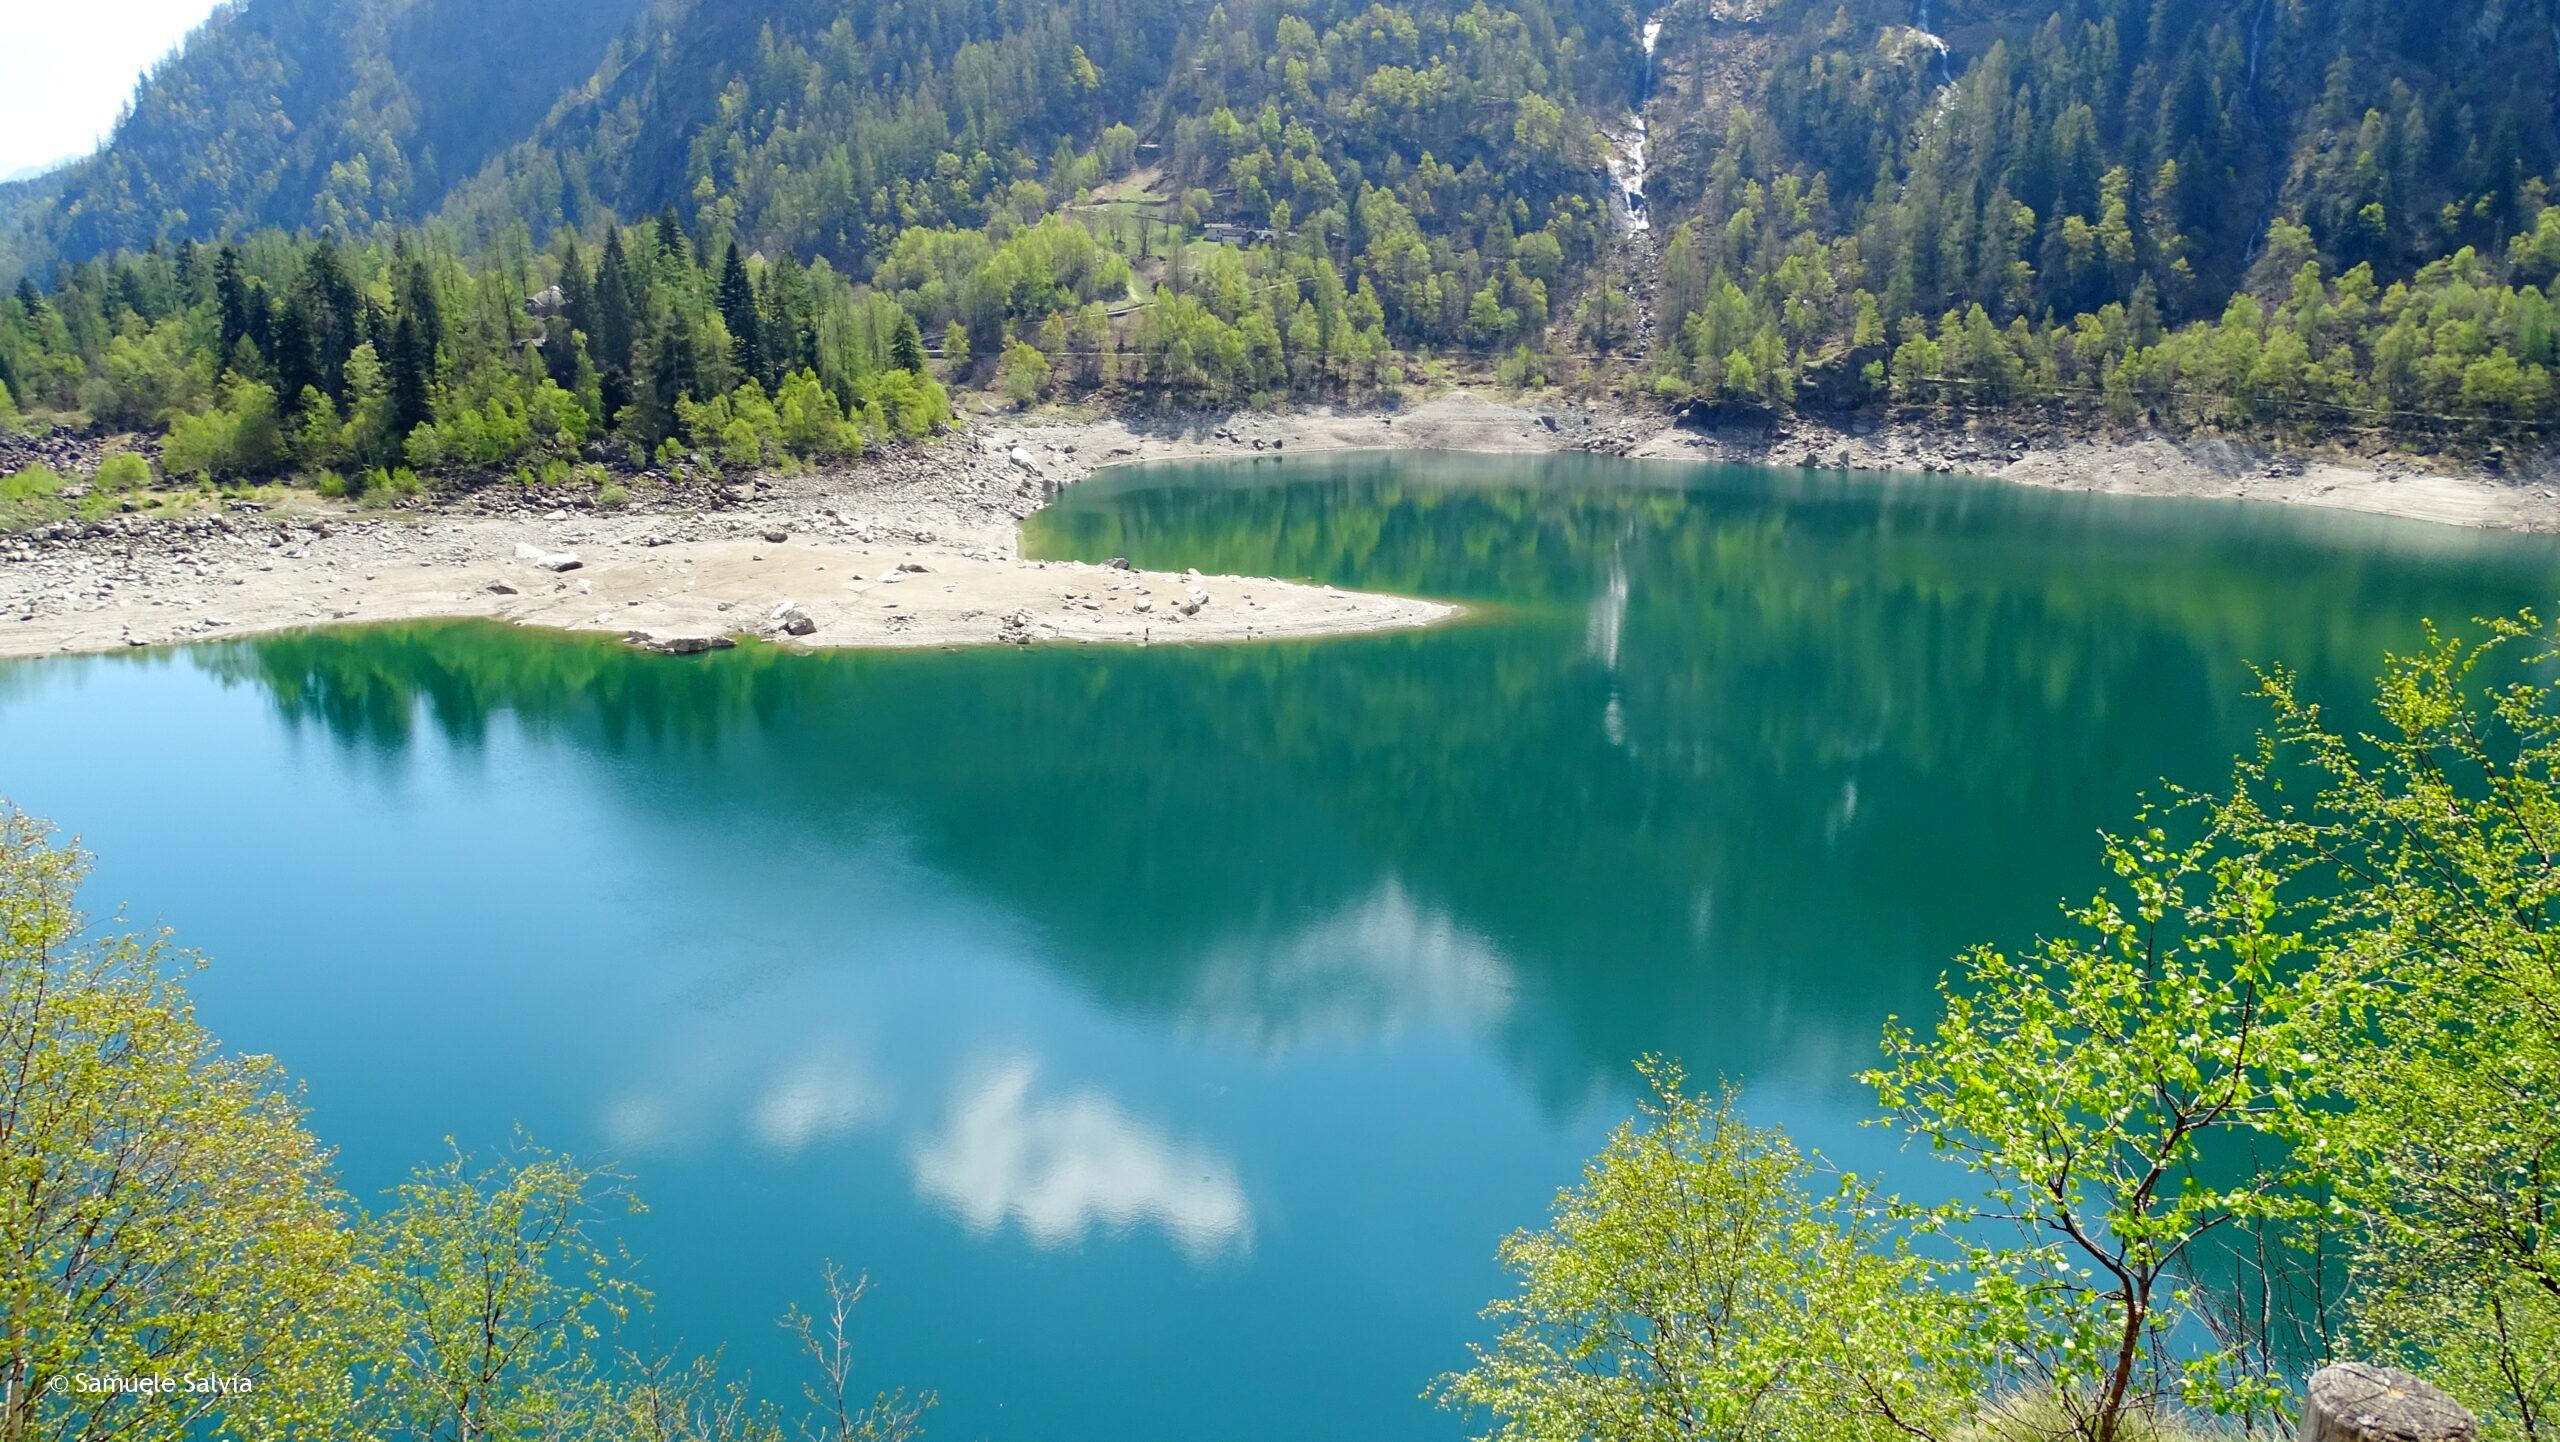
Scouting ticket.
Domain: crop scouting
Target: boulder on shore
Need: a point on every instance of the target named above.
(548, 560)
(2357, 1402)
(678, 643)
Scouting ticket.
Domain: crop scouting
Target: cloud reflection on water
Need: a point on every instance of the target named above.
(1367, 972)
(818, 1100)
(1059, 1167)
(712, 1091)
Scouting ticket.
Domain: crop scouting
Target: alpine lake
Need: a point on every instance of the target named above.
(1172, 1032)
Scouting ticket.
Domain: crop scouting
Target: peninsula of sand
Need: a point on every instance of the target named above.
(921, 547)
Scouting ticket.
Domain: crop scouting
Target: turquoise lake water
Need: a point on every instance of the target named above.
(1171, 1033)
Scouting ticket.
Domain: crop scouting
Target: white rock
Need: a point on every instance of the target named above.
(548, 560)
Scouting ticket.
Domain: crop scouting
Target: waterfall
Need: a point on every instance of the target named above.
(1927, 27)
(2266, 123)
(1627, 163)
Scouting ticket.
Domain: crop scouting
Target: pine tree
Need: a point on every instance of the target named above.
(410, 367)
(906, 349)
(610, 343)
(673, 248)
(330, 306)
(652, 416)
(790, 329)
(296, 370)
(738, 312)
(577, 291)
(418, 302)
(564, 354)
(242, 309)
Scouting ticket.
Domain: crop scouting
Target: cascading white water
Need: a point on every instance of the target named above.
(1928, 29)
(1627, 162)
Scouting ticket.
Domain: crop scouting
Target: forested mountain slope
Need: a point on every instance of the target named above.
(827, 129)
(2273, 213)
(2395, 132)
(310, 113)
(2101, 171)
(816, 126)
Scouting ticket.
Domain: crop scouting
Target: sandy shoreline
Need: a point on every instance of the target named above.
(915, 550)
(662, 584)
(921, 548)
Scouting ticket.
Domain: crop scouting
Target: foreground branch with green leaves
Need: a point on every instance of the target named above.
(165, 1212)
(2288, 1090)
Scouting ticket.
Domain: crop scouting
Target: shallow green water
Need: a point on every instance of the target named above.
(1172, 1032)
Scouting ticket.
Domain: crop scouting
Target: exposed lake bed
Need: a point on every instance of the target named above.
(1172, 1032)
(916, 552)
(684, 567)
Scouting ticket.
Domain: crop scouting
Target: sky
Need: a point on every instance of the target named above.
(68, 66)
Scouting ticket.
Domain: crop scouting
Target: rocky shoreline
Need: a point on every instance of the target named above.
(916, 548)
(2521, 496)
(920, 546)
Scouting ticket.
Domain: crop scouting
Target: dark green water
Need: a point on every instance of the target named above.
(1171, 1033)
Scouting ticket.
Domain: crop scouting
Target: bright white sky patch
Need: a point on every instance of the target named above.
(67, 67)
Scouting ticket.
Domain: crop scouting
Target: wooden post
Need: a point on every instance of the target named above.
(2354, 1402)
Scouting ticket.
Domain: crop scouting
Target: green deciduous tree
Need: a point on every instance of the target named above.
(1705, 1279)
(2438, 833)
(2095, 1082)
(500, 1282)
(240, 437)
(1023, 371)
(162, 1210)
(164, 1214)
(123, 471)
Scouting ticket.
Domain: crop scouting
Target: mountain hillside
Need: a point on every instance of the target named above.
(2393, 132)
(2312, 215)
(2103, 170)
(311, 113)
